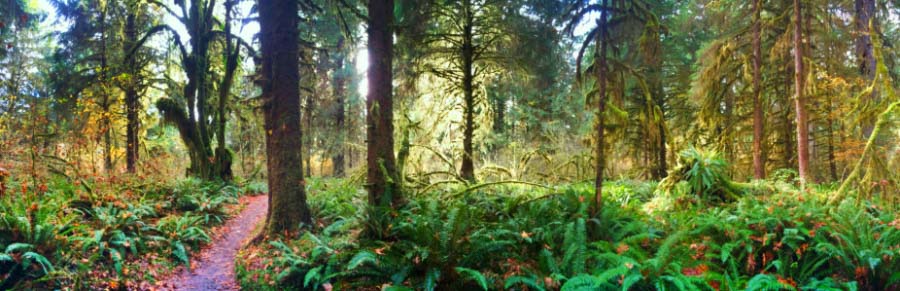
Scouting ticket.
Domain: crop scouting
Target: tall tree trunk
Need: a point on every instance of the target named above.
(196, 65)
(656, 150)
(728, 145)
(224, 157)
(498, 104)
(191, 118)
(132, 100)
(200, 42)
(659, 148)
(865, 24)
(351, 125)
(759, 160)
(307, 119)
(661, 152)
(104, 88)
(800, 101)
(467, 170)
(383, 182)
(788, 150)
(279, 40)
(337, 88)
(601, 108)
(832, 164)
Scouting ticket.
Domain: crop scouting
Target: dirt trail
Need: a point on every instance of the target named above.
(214, 268)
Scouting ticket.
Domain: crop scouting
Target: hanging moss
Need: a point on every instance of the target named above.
(199, 153)
(875, 170)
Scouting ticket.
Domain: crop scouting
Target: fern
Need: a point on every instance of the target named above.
(829, 284)
(180, 233)
(362, 258)
(575, 243)
(18, 262)
(530, 282)
(766, 282)
(432, 276)
(582, 282)
(473, 275)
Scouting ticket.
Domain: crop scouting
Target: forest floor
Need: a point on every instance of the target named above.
(213, 269)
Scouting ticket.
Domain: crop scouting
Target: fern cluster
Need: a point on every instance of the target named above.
(82, 234)
(770, 239)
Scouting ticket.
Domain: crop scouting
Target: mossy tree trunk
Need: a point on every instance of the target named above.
(467, 170)
(337, 87)
(132, 97)
(281, 111)
(382, 180)
(864, 16)
(224, 157)
(197, 118)
(759, 159)
(601, 108)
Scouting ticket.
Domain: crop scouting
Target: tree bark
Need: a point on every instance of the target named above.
(337, 88)
(383, 183)
(467, 170)
(601, 108)
(759, 161)
(199, 23)
(307, 117)
(865, 15)
(800, 101)
(106, 120)
(281, 96)
(832, 164)
(788, 132)
(656, 150)
(498, 104)
(224, 157)
(132, 98)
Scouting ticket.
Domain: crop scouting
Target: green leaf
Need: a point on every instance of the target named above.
(874, 262)
(361, 258)
(474, 275)
(98, 239)
(116, 257)
(180, 253)
(431, 278)
(45, 264)
(18, 248)
(631, 280)
(313, 274)
(582, 282)
(527, 281)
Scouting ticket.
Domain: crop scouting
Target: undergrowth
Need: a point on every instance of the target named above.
(770, 237)
(93, 234)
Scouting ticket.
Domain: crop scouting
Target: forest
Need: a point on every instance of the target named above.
(449, 145)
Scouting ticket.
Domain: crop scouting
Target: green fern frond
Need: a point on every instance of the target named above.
(473, 275)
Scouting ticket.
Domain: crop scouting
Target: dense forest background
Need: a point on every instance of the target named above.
(89, 87)
(408, 102)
